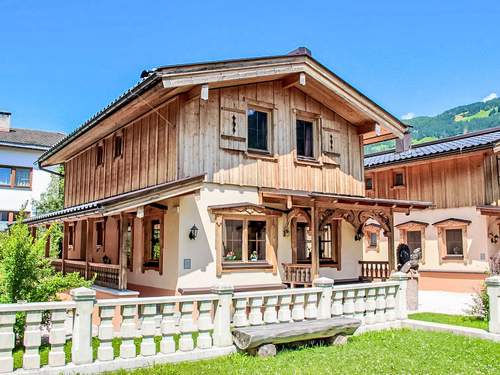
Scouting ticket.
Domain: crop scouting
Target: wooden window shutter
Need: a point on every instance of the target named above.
(330, 145)
(233, 121)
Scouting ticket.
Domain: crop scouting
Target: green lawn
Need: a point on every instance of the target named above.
(385, 352)
(456, 320)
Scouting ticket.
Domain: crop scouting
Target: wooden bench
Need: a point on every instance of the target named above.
(262, 339)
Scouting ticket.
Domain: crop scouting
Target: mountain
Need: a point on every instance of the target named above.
(458, 120)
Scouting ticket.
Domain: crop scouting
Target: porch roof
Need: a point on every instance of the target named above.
(396, 204)
(489, 210)
(121, 202)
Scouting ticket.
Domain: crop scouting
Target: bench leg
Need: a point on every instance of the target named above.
(267, 350)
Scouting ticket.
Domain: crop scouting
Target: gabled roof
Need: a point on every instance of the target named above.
(28, 138)
(175, 79)
(452, 145)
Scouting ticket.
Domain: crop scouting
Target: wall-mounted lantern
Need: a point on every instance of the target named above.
(193, 232)
(493, 237)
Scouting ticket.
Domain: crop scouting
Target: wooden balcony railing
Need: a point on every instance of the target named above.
(371, 270)
(300, 274)
(57, 264)
(107, 275)
(75, 266)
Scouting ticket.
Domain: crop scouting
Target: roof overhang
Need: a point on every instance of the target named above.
(489, 210)
(122, 203)
(166, 83)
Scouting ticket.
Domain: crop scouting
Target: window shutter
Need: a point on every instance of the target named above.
(233, 132)
(330, 145)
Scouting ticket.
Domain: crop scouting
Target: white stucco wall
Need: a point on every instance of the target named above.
(14, 199)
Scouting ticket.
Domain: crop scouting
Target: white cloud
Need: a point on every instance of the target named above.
(408, 116)
(491, 96)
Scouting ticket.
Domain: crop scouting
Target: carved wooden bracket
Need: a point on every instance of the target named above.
(293, 214)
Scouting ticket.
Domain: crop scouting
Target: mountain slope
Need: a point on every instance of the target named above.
(458, 120)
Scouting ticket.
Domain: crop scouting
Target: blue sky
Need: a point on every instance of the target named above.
(61, 61)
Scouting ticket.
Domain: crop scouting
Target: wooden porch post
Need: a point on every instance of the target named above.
(122, 280)
(390, 245)
(89, 246)
(47, 243)
(65, 247)
(314, 243)
(33, 232)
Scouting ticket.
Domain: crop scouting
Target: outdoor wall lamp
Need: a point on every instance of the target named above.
(193, 232)
(493, 237)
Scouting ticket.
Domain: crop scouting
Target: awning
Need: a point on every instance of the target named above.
(118, 203)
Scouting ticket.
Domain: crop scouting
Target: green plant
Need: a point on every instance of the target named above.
(25, 274)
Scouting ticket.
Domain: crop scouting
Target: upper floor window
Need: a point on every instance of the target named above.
(373, 239)
(258, 128)
(99, 159)
(399, 179)
(305, 143)
(414, 239)
(118, 146)
(369, 183)
(15, 177)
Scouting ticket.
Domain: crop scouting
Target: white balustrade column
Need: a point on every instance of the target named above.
(390, 303)
(240, 312)
(222, 336)
(284, 312)
(325, 299)
(371, 294)
(32, 340)
(168, 329)
(311, 310)
(187, 326)
(128, 331)
(359, 304)
(7, 341)
(337, 303)
(380, 305)
(401, 303)
(349, 303)
(57, 338)
(298, 307)
(493, 289)
(148, 330)
(205, 325)
(255, 316)
(105, 350)
(81, 350)
(270, 314)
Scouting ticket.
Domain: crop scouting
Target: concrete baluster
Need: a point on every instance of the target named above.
(128, 331)
(222, 336)
(325, 298)
(168, 329)
(370, 306)
(205, 325)
(240, 312)
(298, 308)
(105, 350)
(148, 330)
(270, 313)
(284, 312)
(349, 303)
(187, 327)
(255, 316)
(32, 340)
(81, 350)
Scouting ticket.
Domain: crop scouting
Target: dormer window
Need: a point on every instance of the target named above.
(118, 146)
(99, 155)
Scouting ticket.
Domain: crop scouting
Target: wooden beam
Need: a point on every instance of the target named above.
(89, 247)
(314, 243)
(159, 206)
(47, 243)
(390, 245)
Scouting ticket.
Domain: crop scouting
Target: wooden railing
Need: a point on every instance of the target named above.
(75, 266)
(107, 275)
(57, 264)
(297, 274)
(371, 270)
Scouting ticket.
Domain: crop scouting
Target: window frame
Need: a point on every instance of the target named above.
(146, 263)
(372, 187)
(395, 173)
(116, 137)
(12, 177)
(315, 119)
(413, 226)
(71, 235)
(102, 224)
(369, 229)
(442, 227)
(269, 128)
(100, 150)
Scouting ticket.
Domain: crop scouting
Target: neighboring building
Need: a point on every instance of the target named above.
(20, 180)
(243, 171)
(460, 234)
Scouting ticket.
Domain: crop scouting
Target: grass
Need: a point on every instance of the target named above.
(456, 320)
(384, 352)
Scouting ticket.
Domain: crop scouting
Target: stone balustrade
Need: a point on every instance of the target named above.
(170, 329)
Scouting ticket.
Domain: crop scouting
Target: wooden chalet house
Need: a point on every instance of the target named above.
(244, 171)
(460, 234)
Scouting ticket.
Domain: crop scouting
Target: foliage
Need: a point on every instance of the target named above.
(383, 352)
(481, 301)
(52, 200)
(25, 274)
(472, 321)
(458, 120)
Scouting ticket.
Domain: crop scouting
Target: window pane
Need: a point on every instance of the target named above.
(303, 243)
(257, 130)
(368, 184)
(304, 138)
(326, 243)
(155, 240)
(99, 228)
(256, 240)
(454, 245)
(373, 239)
(22, 177)
(398, 179)
(5, 176)
(414, 239)
(233, 240)
(128, 246)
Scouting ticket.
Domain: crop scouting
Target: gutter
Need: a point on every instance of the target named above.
(48, 170)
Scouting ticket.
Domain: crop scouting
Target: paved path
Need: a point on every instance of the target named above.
(444, 302)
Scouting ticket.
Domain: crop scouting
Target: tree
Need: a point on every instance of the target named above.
(26, 274)
(50, 201)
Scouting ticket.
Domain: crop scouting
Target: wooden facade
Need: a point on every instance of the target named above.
(455, 181)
